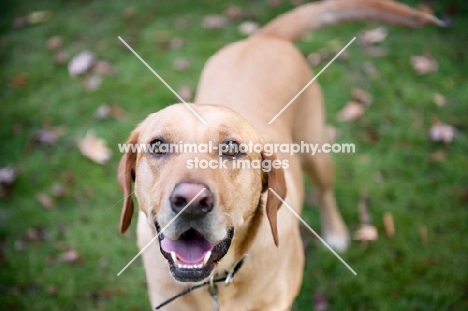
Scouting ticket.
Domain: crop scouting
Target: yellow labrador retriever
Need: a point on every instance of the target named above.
(230, 211)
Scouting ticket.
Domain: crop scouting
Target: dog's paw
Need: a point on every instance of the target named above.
(339, 242)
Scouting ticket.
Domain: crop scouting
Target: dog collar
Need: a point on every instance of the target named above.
(212, 287)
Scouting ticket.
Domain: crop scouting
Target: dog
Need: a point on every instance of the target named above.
(206, 220)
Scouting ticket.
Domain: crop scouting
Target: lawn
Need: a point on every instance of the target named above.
(59, 243)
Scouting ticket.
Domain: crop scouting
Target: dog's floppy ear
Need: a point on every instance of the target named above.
(273, 179)
(126, 177)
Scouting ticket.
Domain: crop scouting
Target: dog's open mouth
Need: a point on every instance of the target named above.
(191, 257)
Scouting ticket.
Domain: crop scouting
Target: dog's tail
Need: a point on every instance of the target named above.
(290, 26)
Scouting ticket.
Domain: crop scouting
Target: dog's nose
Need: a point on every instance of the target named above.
(184, 193)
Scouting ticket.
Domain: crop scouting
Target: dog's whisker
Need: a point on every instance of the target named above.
(118, 201)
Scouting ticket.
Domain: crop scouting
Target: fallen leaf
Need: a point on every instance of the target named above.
(181, 64)
(181, 23)
(320, 302)
(34, 234)
(375, 51)
(248, 27)
(47, 136)
(68, 177)
(163, 40)
(233, 12)
(81, 63)
(19, 22)
(54, 43)
(176, 43)
(8, 175)
(424, 235)
(61, 57)
(364, 216)
(58, 190)
(274, 3)
(103, 112)
(373, 36)
(439, 155)
(442, 132)
(214, 21)
(19, 80)
(366, 233)
(439, 100)
(185, 91)
(361, 96)
(38, 17)
(103, 68)
(314, 59)
(94, 148)
(351, 111)
(110, 292)
(424, 64)
(389, 225)
(71, 257)
(129, 13)
(46, 201)
(52, 290)
(92, 83)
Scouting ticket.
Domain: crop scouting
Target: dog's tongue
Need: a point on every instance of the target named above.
(189, 250)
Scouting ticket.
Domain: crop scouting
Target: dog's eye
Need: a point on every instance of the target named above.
(230, 149)
(158, 147)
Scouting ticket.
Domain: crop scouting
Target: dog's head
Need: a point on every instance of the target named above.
(216, 206)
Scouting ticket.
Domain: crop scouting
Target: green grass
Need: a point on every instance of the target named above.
(396, 169)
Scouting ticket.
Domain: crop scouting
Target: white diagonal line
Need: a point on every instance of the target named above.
(311, 81)
(162, 80)
(162, 230)
(315, 233)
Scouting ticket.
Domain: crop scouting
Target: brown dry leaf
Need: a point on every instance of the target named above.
(110, 292)
(8, 175)
(351, 111)
(34, 234)
(58, 190)
(233, 12)
(103, 68)
(439, 155)
(442, 132)
(373, 36)
(81, 63)
(185, 91)
(424, 235)
(375, 51)
(94, 148)
(71, 257)
(38, 17)
(181, 64)
(181, 23)
(424, 64)
(54, 43)
(389, 224)
(314, 59)
(248, 27)
(48, 136)
(52, 290)
(364, 216)
(19, 22)
(214, 21)
(320, 302)
(19, 80)
(61, 57)
(103, 112)
(439, 100)
(176, 43)
(92, 83)
(361, 96)
(129, 13)
(46, 201)
(366, 233)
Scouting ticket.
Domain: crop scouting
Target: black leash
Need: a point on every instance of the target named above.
(212, 289)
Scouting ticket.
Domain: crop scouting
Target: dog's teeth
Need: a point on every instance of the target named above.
(206, 258)
(174, 257)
